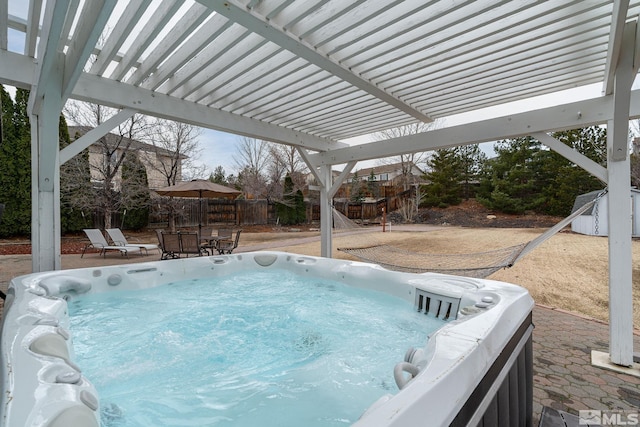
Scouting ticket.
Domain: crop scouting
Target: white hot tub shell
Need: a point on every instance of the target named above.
(475, 370)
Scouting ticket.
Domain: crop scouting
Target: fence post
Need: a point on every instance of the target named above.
(384, 219)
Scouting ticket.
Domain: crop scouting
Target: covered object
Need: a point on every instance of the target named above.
(594, 221)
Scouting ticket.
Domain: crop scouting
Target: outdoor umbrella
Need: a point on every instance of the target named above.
(200, 188)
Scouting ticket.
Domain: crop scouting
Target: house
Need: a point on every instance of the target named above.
(154, 158)
(594, 222)
(389, 175)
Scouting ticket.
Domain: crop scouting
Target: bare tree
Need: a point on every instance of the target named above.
(409, 160)
(172, 159)
(110, 191)
(288, 158)
(252, 160)
(176, 149)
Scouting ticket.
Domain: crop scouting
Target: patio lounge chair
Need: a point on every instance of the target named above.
(170, 244)
(99, 242)
(118, 239)
(226, 246)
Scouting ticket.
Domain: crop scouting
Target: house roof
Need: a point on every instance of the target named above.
(113, 139)
(384, 168)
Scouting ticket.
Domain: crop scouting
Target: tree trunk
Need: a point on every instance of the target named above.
(107, 218)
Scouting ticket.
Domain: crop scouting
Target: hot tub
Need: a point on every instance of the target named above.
(474, 370)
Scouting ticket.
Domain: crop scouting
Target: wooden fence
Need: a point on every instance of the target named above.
(248, 212)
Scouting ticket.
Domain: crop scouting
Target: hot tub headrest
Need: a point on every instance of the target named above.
(55, 285)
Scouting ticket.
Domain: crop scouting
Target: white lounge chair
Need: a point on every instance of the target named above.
(99, 242)
(118, 239)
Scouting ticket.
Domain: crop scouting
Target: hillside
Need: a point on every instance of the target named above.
(472, 214)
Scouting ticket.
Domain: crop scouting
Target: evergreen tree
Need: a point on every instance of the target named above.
(372, 185)
(218, 176)
(287, 209)
(300, 208)
(444, 176)
(135, 203)
(15, 163)
(563, 180)
(7, 136)
(635, 170)
(511, 181)
(357, 190)
(472, 161)
(75, 180)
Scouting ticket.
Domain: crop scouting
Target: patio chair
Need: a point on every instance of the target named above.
(225, 233)
(206, 234)
(117, 237)
(226, 246)
(190, 245)
(97, 241)
(169, 243)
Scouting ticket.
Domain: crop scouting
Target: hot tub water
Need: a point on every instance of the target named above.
(267, 348)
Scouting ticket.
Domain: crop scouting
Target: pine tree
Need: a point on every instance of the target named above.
(300, 208)
(472, 160)
(444, 176)
(356, 190)
(7, 136)
(563, 180)
(287, 209)
(135, 194)
(75, 180)
(218, 176)
(511, 181)
(15, 163)
(372, 185)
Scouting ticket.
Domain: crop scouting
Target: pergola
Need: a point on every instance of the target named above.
(312, 73)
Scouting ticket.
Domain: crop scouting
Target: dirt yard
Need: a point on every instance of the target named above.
(569, 271)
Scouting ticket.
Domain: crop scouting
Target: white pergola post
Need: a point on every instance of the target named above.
(326, 212)
(619, 217)
(45, 185)
(56, 74)
(328, 189)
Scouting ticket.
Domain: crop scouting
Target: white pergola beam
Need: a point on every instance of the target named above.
(15, 70)
(572, 155)
(312, 168)
(4, 24)
(568, 116)
(340, 178)
(95, 15)
(49, 57)
(238, 13)
(188, 24)
(130, 17)
(76, 147)
(163, 14)
(33, 27)
(620, 8)
(120, 95)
